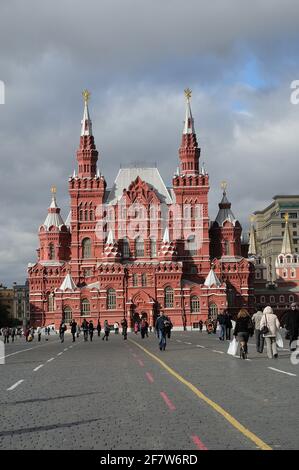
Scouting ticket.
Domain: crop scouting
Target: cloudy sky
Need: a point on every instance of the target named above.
(136, 57)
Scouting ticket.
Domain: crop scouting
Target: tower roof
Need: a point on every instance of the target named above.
(86, 126)
(68, 283)
(225, 213)
(252, 242)
(287, 245)
(212, 279)
(53, 218)
(189, 121)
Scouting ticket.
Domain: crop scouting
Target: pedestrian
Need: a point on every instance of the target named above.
(214, 322)
(116, 327)
(168, 327)
(78, 331)
(13, 334)
(259, 338)
(136, 327)
(124, 325)
(106, 330)
(62, 330)
(6, 334)
(143, 328)
(290, 321)
(73, 329)
(269, 326)
(222, 323)
(99, 327)
(200, 323)
(27, 333)
(84, 327)
(90, 328)
(242, 331)
(161, 330)
(228, 325)
(39, 334)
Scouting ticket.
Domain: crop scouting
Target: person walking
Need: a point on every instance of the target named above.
(99, 327)
(39, 334)
(116, 328)
(143, 327)
(6, 334)
(74, 329)
(214, 322)
(228, 325)
(78, 331)
(106, 330)
(62, 330)
(269, 326)
(290, 321)
(136, 327)
(161, 330)
(200, 323)
(259, 339)
(222, 324)
(84, 327)
(168, 327)
(124, 325)
(242, 331)
(90, 328)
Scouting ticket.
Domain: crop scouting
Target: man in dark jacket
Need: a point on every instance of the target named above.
(290, 321)
(124, 325)
(84, 327)
(160, 326)
(221, 321)
(73, 329)
(90, 328)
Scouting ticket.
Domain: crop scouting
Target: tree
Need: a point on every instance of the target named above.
(4, 316)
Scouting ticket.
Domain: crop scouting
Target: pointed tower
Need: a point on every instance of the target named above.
(225, 232)
(54, 236)
(87, 155)
(189, 152)
(287, 262)
(287, 245)
(111, 248)
(167, 248)
(252, 250)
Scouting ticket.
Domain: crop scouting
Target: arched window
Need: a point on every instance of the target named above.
(285, 273)
(86, 215)
(226, 248)
(67, 314)
(86, 248)
(111, 299)
(272, 299)
(281, 298)
(153, 248)
(168, 297)
(289, 259)
(263, 299)
(51, 251)
(293, 273)
(51, 302)
(135, 280)
(191, 245)
(143, 280)
(85, 307)
(91, 214)
(195, 304)
(291, 298)
(213, 311)
(139, 247)
(126, 248)
(281, 259)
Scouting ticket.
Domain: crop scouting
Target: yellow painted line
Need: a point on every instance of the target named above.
(235, 423)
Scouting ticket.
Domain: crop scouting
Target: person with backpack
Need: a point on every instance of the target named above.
(106, 330)
(269, 326)
(242, 331)
(161, 330)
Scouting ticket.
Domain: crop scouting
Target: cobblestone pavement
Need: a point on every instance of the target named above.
(115, 395)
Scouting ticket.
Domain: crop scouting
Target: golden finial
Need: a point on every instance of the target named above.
(86, 95)
(188, 93)
(223, 185)
(286, 217)
(53, 190)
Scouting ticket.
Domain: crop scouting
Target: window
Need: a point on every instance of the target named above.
(191, 245)
(285, 273)
(87, 272)
(283, 225)
(168, 297)
(86, 248)
(111, 299)
(291, 298)
(293, 273)
(139, 247)
(258, 274)
(126, 248)
(135, 280)
(272, 299)
(67, 314)
(294, 225)
(213, 311)
(144, 280)
(281, 298)
(294, 233)
(51, 251)
(85, 307)
(263, 299)
(195, 304)
(153, 248)
(51, 302)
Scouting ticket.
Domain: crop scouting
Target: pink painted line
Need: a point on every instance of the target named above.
(150, 377)
(140, 363)
(167, 401)
(198, 443)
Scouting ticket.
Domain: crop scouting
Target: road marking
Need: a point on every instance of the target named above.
(198, 443)
(179, 341)
(150, 377)
(219, 352)
(38, 367)
(200, 346)
(71, 347)
(15, 385)
(65, 349)
(282, 371)
(59, 354)
(23, 350)
(140, 363)
(187, 343)
(52, 359)
(235, 423)
(167, 401)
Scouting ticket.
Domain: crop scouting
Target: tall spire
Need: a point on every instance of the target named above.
(87, 155)
(287, 246)
(252, 251)
(86, 128)
(189, 152)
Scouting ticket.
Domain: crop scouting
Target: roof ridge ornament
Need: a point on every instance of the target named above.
(188, 93)
(224, 186)
(86, 95)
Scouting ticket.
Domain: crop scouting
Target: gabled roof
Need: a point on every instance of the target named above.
(212, 279)
(68, 283)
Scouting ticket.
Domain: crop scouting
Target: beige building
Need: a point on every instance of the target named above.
(269, 225)
(16, 301)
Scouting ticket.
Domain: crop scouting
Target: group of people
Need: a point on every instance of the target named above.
(88, 329)
(12, 333)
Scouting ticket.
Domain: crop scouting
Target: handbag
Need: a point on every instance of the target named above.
(265, 328)
(233, 346)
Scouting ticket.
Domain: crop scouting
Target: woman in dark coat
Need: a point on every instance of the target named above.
(243, 329)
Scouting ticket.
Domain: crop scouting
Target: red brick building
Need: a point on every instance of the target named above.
(139, 246)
